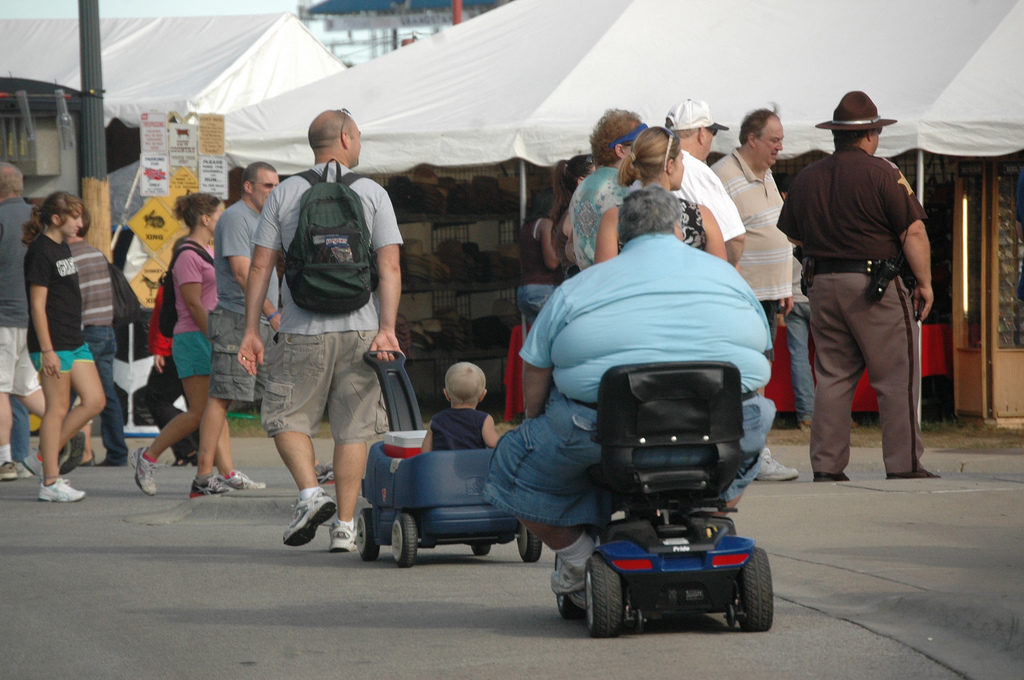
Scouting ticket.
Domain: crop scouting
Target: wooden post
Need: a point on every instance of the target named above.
(96, 195)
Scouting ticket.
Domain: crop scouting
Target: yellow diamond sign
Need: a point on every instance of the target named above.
(147, 281)
(154, 225)
(183, 181)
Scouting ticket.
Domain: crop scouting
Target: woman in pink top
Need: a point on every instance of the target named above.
(195, 293)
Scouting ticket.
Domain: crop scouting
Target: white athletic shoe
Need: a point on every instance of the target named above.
(774, 471)
(60, 492)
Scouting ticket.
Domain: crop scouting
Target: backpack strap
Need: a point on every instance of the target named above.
(313, 177)
(194, 247)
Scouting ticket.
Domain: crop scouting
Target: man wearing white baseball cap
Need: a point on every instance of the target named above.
(693, 124)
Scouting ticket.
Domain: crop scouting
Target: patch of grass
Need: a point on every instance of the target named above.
(867, 432)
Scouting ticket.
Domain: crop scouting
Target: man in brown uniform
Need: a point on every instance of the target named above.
(851, 212)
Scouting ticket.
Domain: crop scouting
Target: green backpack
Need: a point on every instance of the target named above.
(330, 265)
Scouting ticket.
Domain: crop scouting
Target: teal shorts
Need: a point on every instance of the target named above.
(191, 353)
(67, 358)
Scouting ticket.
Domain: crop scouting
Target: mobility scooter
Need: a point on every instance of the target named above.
(421, 500)
(669, 436)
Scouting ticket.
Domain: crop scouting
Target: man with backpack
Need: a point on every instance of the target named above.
(340, 299)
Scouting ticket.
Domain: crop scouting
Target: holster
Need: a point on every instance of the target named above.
(882, 274)
(806, 274)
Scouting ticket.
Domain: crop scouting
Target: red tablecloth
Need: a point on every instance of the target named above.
(936, 359)
(514, 376)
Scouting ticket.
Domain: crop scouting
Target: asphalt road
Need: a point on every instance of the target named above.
(873, 579)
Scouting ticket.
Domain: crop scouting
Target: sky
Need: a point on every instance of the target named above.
(68, 9)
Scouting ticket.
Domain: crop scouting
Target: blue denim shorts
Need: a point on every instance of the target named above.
(758, 416)
(539, 470)
(191, 352)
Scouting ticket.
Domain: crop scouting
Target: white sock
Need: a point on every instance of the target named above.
(351, 526)
(5, 454)
(306, 494)
(578, 552)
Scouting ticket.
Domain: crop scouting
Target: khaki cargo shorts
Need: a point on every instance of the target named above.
(308, 374)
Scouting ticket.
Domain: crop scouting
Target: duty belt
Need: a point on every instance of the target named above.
(823, 265)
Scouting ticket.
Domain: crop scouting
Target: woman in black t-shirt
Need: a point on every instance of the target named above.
(55, 341)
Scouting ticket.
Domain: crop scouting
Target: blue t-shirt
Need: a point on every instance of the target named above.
(233, 238)
(659, 300)
(458, 429)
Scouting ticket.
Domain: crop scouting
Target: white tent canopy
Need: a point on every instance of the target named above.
(201, 64)
(529, 79)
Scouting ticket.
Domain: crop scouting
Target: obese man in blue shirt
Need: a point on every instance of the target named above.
(659, 300)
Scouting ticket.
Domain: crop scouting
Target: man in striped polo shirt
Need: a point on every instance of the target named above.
(767, 253)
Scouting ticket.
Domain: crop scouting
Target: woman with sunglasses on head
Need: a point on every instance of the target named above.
(656, 158)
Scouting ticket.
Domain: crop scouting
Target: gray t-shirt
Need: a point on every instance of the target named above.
(14, 212)
(280, 219)
(233, 238)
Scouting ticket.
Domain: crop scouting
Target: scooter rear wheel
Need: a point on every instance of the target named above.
(604, 598)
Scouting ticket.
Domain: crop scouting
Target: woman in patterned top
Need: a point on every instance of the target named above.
(656, 158)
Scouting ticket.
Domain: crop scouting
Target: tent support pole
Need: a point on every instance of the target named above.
(920, 197)
(920, 176)
(522, 191)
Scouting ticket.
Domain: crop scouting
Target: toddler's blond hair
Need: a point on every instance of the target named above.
(465, 383)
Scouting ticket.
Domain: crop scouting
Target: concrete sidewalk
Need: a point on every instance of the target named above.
(937, 564)
(873, 579)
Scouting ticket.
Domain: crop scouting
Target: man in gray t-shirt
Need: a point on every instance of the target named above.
(316, 362)
(232, 248)
(17, 375)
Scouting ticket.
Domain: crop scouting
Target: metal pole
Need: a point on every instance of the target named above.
(95, 188)
(920, 176)
(94, 148)
(522, 191)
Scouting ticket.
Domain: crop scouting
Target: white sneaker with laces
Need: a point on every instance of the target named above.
(324, 473)
(241, 481)
(60, 492)
(309, 514)
(774, 471)
(144, 471)
(8, 473)
(34, 464)
(343, 539)
(567, 579)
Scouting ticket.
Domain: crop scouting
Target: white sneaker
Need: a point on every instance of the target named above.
(60, 492)
(774, 471)
(23, 472)
(144, 471)
(324, 473)
(240, 481)
(343, 539)
(567, 579)
(34, 464)
(8, 473)
(309, 514)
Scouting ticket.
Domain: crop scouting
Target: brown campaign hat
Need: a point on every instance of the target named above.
(856, 111)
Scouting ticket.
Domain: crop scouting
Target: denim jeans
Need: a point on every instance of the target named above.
(103, 345)
(530, 298)
(20, 430)
(797, 331)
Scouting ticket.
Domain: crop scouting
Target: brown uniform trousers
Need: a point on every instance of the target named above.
(852, 333)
